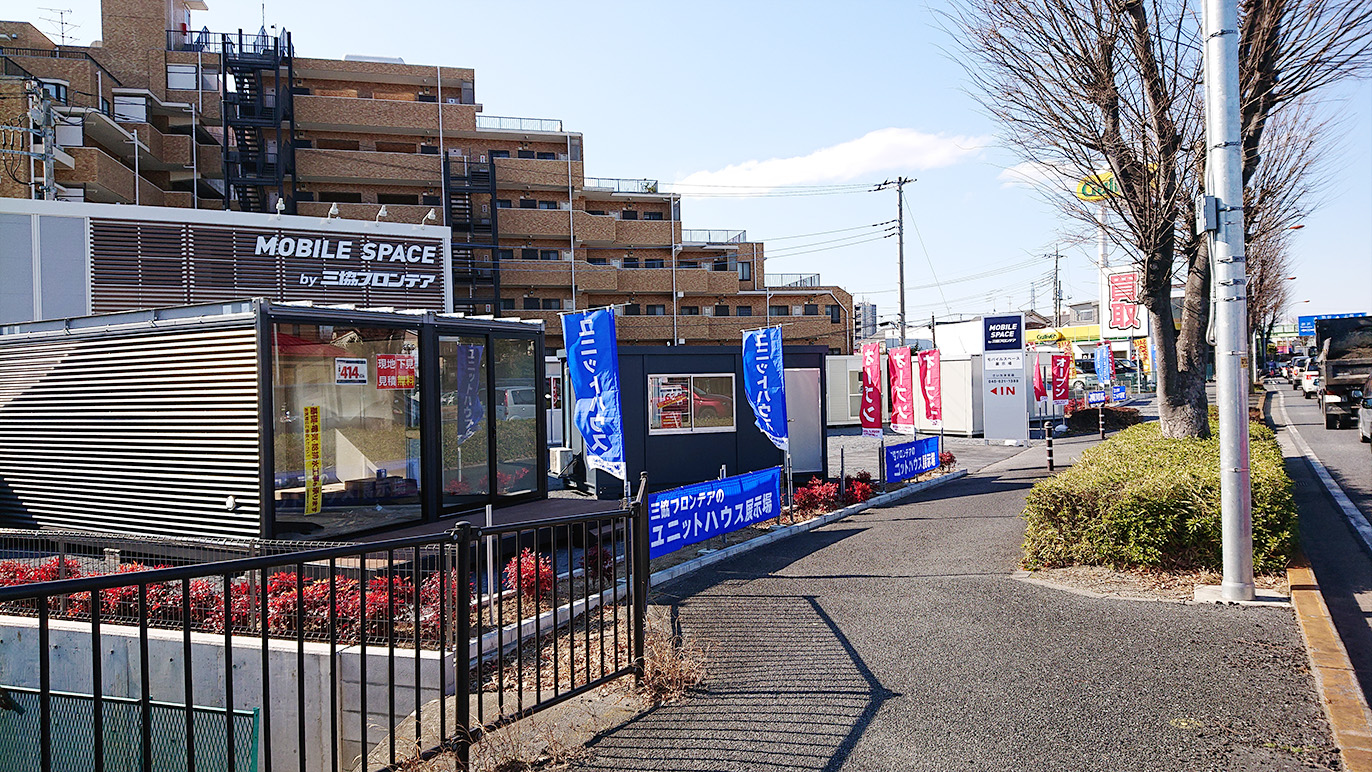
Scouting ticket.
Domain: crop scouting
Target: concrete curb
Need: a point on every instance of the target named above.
(777, 534)
(1350, 720)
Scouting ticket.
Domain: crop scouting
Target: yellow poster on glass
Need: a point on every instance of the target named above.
(314, 475)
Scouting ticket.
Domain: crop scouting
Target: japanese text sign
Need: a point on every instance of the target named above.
(467, 369)
(349, 371)
(314, 473)
(692, 514)
(911, 459)
(764, 381)
(395, 371)
(1122, 315)
(1062, 371)
(870, 411)
(593, 367)
(1004, 333)
(902, 392)
(931, 384)
(1105, 363)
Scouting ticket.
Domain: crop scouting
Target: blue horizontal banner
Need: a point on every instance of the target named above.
(684, 516)
(1117, 393)
(911, 459)
(1094, 398)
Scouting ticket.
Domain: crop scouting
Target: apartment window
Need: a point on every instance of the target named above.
(657, 310)
(528, 203)
(507, 304)
(688, 264)
(504, 203)
(654, 262)
(684, 404)
(545, 156)
(528, 254)
(797, 310)
(329, 143)
(690, 310)
(504, 254)
(549, 254)
(209, 79)
(527, 154)
(547, 204)
(552, 304)
(340, 196)
(745, 271)
(778, 310)
(181, 77)
(597, 261)
(628, 214)
(633, 309)
(500, 154)
(811, 309)
(532, 304)
(721, 310)
(407, 199)
(720, 265)
(652, 215)
(600, 212)
(631, 262)
(395, 147)
(743, 311)
(835, 313)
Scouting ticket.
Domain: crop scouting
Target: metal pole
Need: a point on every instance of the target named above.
(881, 462)
(571, 219)
(49, 150)
(842, 475)
(900, 249)
(640, 573)
(1224, 166)
(1048, 435)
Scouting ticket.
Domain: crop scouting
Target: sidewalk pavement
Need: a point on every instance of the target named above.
(897, 640)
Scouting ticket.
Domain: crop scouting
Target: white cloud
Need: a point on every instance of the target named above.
(863, 159)
(1032, 174)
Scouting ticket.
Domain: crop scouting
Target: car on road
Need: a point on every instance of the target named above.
(1365, 411)
(1309, 382)
(1294, 370)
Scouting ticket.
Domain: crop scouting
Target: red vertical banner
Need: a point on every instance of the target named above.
(1062, 373)
(1040, 392)
(902, 390)
(931, 385)
(871, 390)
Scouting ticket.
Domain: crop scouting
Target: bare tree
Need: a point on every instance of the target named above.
(1085, 86)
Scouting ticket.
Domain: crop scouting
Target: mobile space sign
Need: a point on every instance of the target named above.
(1005, 398)
(685, 516)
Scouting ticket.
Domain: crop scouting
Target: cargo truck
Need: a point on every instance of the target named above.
(1345, 362)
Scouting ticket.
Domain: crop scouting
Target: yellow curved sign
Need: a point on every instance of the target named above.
(1098, 187)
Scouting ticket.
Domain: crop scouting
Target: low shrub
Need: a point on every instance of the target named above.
(815, 496)
(856, 491)
(598, 562)
(947, 461)
(1141, 500)
(530, 574)
(1116, 418)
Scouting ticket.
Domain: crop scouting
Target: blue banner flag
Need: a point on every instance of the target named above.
(593, 366)
(1105, 363)
(467, 390)
(764, 381)
(911, 459)
(683, 516)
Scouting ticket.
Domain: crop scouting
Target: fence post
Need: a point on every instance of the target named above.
(640, 567)
(881, 462)
(462, 657)
(842, 476)
(1048, 433)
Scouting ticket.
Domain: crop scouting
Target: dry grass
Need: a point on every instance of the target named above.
(674, 663)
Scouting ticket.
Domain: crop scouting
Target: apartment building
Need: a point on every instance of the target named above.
(161, 113)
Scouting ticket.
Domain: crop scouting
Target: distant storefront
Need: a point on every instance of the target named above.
(255, 418)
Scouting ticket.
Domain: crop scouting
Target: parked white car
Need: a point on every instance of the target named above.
(1365, 412)
(1310, 381)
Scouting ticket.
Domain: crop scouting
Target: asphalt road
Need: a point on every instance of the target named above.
(1342, 565)
(898, 640)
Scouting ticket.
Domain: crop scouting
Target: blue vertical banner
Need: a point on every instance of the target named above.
(764, 381)
(1105, 363)
(468, 371)
(593, 366)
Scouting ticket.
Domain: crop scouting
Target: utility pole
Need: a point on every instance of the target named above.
(1057, 289)
(49, 148)
(899, 184)
(1224, 183)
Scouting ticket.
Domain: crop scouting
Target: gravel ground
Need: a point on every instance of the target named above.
(896, 640)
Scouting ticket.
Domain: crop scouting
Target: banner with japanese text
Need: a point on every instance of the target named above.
(870, 412)
(931, 385)
(911, 459)
(593, 368)
(694, 513)
(1121, 314)
(314, 471)
(1062, 373)
(1105, 363)
(764, 381)
(466, 395)
(902, 390)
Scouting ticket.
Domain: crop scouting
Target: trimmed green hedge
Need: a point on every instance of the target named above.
(1139, 500)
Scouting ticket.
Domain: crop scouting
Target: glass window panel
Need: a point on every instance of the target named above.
(363, 384)
(516, 415)
(463, 396)
(712, 401)
(669, 402)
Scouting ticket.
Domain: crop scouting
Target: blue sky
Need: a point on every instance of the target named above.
(798, 93)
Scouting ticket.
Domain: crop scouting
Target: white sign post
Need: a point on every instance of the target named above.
(1005, 392)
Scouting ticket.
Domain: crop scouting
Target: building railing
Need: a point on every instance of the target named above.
(58, 53)
(781, 280)
(341, 653)
(716, 236)
(504, 123)
(11, 68)
(622, 185)
(188, 40)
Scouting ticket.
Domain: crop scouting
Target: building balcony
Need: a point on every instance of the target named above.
(534, 174)
(528, 274)
(367, 167)
(700, 236)
(536, 223)
(618, 185)
(647, 233)
(793, 280)
(107, 180)
(633, 329)
(404, 213)
(505, 123)
(387, 116)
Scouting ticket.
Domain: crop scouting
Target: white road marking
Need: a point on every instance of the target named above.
(1351, 512)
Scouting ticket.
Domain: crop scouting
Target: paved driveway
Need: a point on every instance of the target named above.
(897, 640)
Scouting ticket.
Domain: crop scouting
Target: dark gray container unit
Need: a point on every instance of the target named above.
(674, 458)
(187, 421)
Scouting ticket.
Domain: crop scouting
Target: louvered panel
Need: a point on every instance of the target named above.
(141, 433)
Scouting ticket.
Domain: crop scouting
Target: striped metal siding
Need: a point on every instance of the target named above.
(143, 433)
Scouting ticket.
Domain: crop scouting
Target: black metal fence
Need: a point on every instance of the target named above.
(347, 657)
